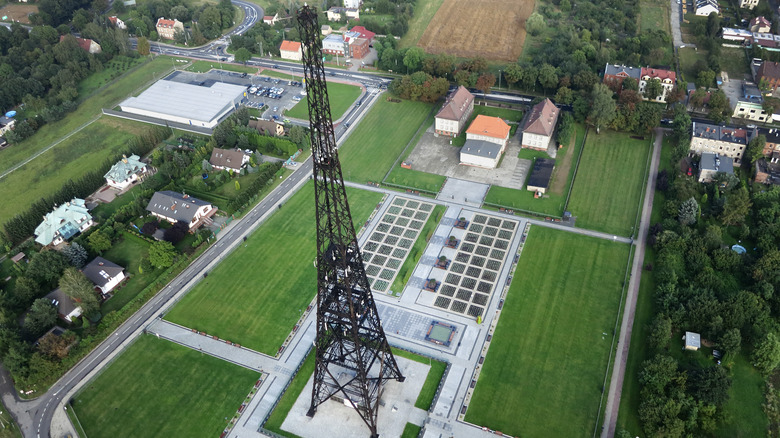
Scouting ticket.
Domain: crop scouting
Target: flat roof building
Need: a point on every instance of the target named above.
(186, 103)
(481, 153)
(541, 175)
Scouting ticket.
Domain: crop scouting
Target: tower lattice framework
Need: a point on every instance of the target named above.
(353, 358)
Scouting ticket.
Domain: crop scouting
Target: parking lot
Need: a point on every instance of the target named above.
(271, 95)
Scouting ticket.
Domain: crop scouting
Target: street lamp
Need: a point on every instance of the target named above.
(499, 79)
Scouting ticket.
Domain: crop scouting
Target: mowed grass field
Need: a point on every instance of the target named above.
(255, 296)
(382, 135)
(81, 153)
(466, 35)
(610, 181)
(131, 83)
(340, 96)
(654, 14)
(160, 389)
(545, 367)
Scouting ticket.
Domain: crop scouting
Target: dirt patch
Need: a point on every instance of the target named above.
(18, 12)
(561, 175)
(492, 29)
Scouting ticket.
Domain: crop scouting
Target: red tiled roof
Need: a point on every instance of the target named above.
(769, 69)
(489, 126)
(542, 119)
(657, 73)
(164, 22)
(367, 34)
(83, 43)
(290, 46)
(112, 19)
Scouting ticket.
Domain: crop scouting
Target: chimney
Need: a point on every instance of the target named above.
(100, 263)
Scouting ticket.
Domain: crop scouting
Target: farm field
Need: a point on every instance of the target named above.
(18, 12)
(74, 157)
(373, 147)
(259, 304)
(131, 83)
(455, 33)
(549, 354)
(341, 97)
(554, 200)
(160, 389)
(424, 10)
(608, 188)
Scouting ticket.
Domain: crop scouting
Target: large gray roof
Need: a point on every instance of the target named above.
(718, 163)
(481, 148)
(614, 69)
(541, 173)
(186, 100)
(100, 271)
(177, 206)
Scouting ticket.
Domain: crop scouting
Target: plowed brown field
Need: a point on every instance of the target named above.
(18, 12)
(492, 29)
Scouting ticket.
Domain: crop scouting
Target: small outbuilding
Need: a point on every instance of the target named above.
(541, 175)
(692, 341)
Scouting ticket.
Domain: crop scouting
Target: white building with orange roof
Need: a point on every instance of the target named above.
(667, 78)
(291, 50)
(486, 140)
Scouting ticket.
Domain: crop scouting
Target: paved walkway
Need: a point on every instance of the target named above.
(626, 326)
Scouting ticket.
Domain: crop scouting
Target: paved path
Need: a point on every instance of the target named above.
(627, 324)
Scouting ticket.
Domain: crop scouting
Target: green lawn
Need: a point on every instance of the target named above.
(254, 297)
(554, 200)
(688, 57)
(417, 250)
(382, 135)
(435, 373)
(424, 10)
(654, 14)
(549, 353)
(160, 389)
(504, 113)
(112, 70)
(734, 61)
(744, 406)
(81, 153)
(131, 83)
(416, 179)
(204, 66)
(610, 181)
(340, 96)
(128, 253)
(411, 431)
(105, 210)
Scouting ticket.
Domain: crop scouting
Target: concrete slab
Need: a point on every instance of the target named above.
(463, 191)
(334, 419)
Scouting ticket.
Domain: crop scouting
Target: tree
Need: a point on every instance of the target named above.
(41, 317)
(705, 78)
(177, 232)
(548, 78)
(653, 89)
(720, 107)
(564, 96)
(513, 74)
(660, 333)
(46, 267)
(485, 81)
(162, 254)
(565, 128)
(297, 135)
(534, 24)
(630, 84)
(603, 108)
(54, 346)
(688, 212)
(243, 55)
(25, 292)
(413, 59)
(766, 356)
(150, 227)
(737, 207)
(76, 255)
(730, 341)
(99, 242)
(710, 385)
(76, 285)
(755, 149)
(180, 13)
(649, 117)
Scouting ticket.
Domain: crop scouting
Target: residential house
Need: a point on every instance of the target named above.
(750, 104)
(772, 145)
(704, 8)
(540, 125)
(491, 129)
(228, 159)
(615, 74)
(667, 78)
(117, 22)
(481, 153)
(336, 13)
(6, 124)
(166, 29)
(326, 30)
(125, 172)
(86, 44)
(748, 4)
(333, 45)
(768, 170)
(454, 113)
(741, 35)
(358, 47)
(175, 207)
(352, 4)
(271, 20)
(541, 175)
(291, 50)
(692, 341)
(66, 308)
(760, 24)
(769, 71)
(712, 164)
(725, 141)
(64, 222)
(364, 33)
(105, 274)
(267, 127)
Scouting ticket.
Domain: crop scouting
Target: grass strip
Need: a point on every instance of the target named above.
(416, 251)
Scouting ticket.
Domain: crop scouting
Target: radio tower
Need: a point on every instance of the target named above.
(352, 353)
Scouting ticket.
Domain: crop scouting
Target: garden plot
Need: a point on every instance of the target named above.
(388, 245)
(470, 264)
